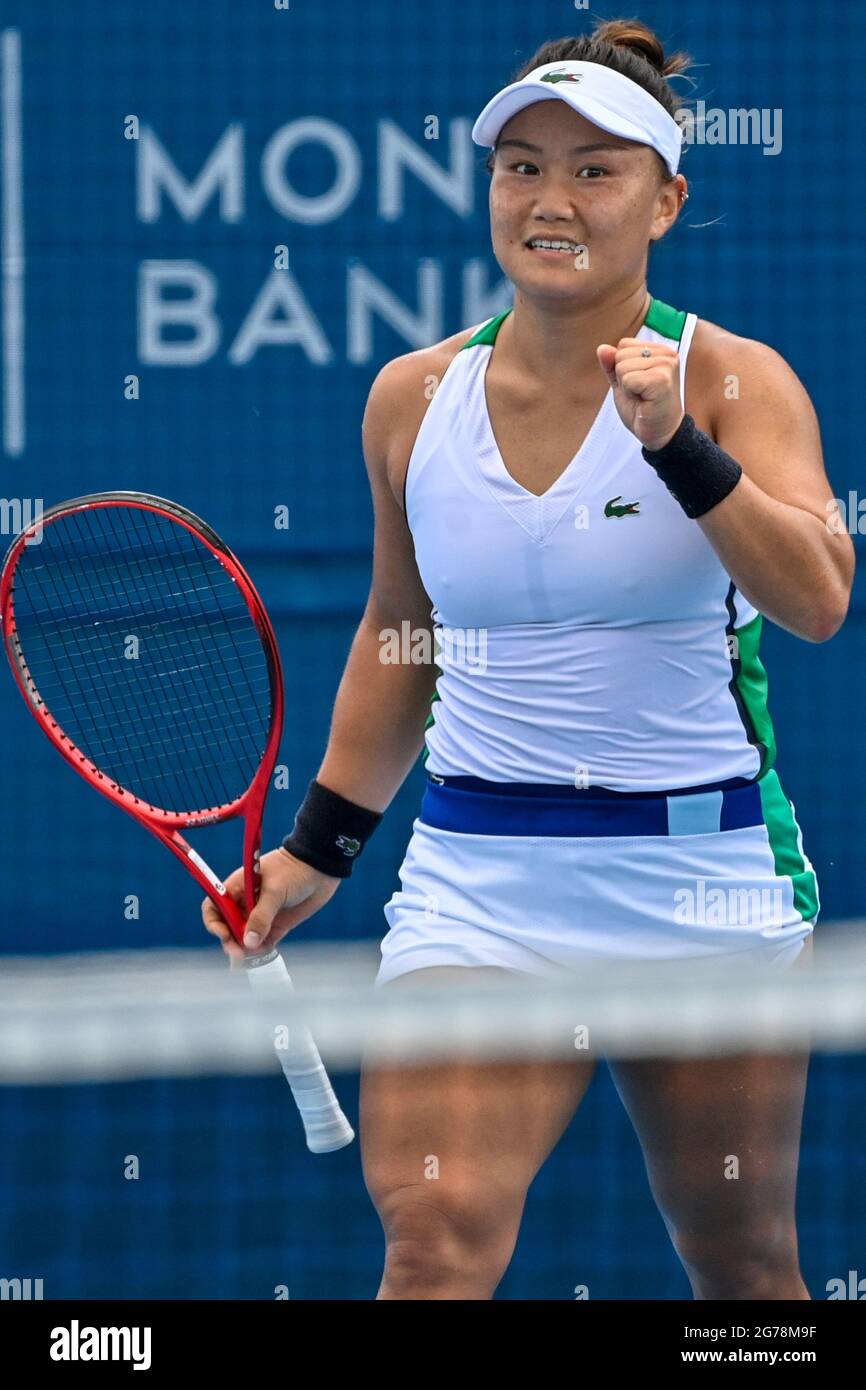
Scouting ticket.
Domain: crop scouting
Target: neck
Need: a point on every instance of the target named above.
(557, 342)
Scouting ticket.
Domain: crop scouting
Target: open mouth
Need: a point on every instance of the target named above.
(553, 246)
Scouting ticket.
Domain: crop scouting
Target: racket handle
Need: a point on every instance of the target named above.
(325, 1125)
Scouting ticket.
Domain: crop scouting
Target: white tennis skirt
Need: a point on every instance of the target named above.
(537, 877)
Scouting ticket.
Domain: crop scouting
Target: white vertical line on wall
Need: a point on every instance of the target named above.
(12, 242)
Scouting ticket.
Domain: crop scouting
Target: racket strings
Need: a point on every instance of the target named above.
(221, 651)
(130, 752)
(166, 697)
(56, 638)
(101, 698)
(179, 716)
(174, 543)
(187, 629)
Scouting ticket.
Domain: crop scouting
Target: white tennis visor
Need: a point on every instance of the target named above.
(603, 96)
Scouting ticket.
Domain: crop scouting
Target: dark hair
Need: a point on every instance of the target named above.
(627, 46)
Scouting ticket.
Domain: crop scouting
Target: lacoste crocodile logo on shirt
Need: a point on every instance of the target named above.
(613, 507)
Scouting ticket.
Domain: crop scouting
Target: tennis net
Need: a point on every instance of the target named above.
(151, 1148)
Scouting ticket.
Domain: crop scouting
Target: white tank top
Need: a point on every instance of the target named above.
(590, 636)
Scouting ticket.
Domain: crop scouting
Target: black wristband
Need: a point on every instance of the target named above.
(694, 469)
(329, 831)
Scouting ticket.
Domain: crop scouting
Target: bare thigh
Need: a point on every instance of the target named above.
(721, 1141)
(449, 1151)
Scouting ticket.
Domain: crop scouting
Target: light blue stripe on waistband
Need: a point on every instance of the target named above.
(697, 814)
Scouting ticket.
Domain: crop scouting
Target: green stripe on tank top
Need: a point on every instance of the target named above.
(749, 688)
(431, 720)
(661, 318)
(488, 331)
(787, 845)
(748, 684)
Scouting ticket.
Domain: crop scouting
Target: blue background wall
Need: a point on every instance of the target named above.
(769, 247)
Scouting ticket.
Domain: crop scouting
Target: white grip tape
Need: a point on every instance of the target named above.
(325, 1125)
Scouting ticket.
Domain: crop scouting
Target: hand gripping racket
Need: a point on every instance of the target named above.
(147, 657)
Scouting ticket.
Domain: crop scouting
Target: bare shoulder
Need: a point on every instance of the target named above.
(398, 401)
(723, 366)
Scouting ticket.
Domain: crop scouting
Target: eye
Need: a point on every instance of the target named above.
(523, 164)
(592, 169)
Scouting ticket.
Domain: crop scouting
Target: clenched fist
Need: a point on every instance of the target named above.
(646, 389)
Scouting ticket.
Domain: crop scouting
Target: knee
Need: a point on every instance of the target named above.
(759, 1262)
(439, 1245)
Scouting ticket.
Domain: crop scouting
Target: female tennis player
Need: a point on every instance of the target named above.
(593, 510)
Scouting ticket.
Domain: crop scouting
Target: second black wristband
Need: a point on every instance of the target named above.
(330, 831)
(694, 469)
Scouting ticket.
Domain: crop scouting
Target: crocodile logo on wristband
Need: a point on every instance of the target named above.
(349, 846)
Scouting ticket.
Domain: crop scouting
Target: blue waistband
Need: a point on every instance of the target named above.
(472, 806)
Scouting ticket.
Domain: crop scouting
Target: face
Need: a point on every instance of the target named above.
(579, 184)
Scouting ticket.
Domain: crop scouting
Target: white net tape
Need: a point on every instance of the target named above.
(122, 1015)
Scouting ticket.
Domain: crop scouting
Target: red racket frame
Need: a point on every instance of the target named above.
(165, 825)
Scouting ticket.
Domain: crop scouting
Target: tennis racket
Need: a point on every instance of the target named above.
(146, 656)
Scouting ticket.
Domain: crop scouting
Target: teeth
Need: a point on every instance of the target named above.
(554, 245)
